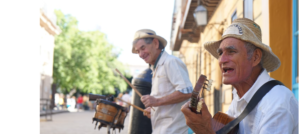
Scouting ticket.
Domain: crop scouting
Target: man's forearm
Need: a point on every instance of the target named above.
(173, 98)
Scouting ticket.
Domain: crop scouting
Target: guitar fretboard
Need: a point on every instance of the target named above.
(195, 93)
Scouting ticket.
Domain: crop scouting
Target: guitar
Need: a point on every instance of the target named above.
(220, 119)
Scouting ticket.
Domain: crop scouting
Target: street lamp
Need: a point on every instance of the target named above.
(200, 15)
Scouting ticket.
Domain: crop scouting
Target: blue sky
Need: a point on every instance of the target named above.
(119, 19)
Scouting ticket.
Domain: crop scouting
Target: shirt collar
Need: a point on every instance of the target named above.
(262, 79)
(161, 60)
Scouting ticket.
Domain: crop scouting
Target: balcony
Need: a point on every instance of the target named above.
(184, 26)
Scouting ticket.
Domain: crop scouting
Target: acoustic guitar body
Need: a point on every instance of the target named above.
(220, 120)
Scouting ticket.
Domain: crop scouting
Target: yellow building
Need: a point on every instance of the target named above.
(187, 39)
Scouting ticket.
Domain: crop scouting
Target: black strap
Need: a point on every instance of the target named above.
(260, 93)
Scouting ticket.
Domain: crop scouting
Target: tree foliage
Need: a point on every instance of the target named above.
(84, 60)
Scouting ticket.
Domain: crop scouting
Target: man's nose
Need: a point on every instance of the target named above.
(223, 59)
(141, 54)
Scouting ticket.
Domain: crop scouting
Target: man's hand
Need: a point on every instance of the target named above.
(147, 112)
(199, 123)
(149, 101)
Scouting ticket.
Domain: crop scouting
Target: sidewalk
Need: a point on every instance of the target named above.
(77, 123)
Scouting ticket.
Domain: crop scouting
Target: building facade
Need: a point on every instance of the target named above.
(187, 40)
(48, 30)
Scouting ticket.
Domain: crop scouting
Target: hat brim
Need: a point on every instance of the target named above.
(161, 39)
(270, 61)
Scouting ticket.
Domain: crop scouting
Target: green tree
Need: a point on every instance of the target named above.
(84, 60)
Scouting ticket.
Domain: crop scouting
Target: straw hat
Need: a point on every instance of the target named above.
(146, 33)
(246, 30)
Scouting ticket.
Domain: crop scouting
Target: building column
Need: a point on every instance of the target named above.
(280, 18)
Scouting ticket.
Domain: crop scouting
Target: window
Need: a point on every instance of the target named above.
(233, 16)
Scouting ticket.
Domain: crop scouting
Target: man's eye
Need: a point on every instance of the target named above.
(231, 51)
(220, 53)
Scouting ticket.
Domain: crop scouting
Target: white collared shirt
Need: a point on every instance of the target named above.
(276, 113)
(170, 75)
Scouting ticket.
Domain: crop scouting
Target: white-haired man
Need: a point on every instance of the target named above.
(171, 86)
(245, 62)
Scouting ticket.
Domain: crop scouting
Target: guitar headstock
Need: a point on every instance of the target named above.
(207, 85)
(202, 82)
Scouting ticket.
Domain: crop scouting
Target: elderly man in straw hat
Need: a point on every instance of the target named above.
(245, 62)
(171, 86)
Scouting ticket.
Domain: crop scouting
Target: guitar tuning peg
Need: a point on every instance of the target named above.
(208, 88)
(208, 85)
(210, 82)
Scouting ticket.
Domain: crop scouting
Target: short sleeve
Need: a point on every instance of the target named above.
(178, 75)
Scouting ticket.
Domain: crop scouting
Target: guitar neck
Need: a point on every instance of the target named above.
(194, 102)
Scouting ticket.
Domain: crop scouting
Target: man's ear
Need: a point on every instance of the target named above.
(257, 56)
(156, 43)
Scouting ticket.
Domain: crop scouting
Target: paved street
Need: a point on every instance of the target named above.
(76, 123)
